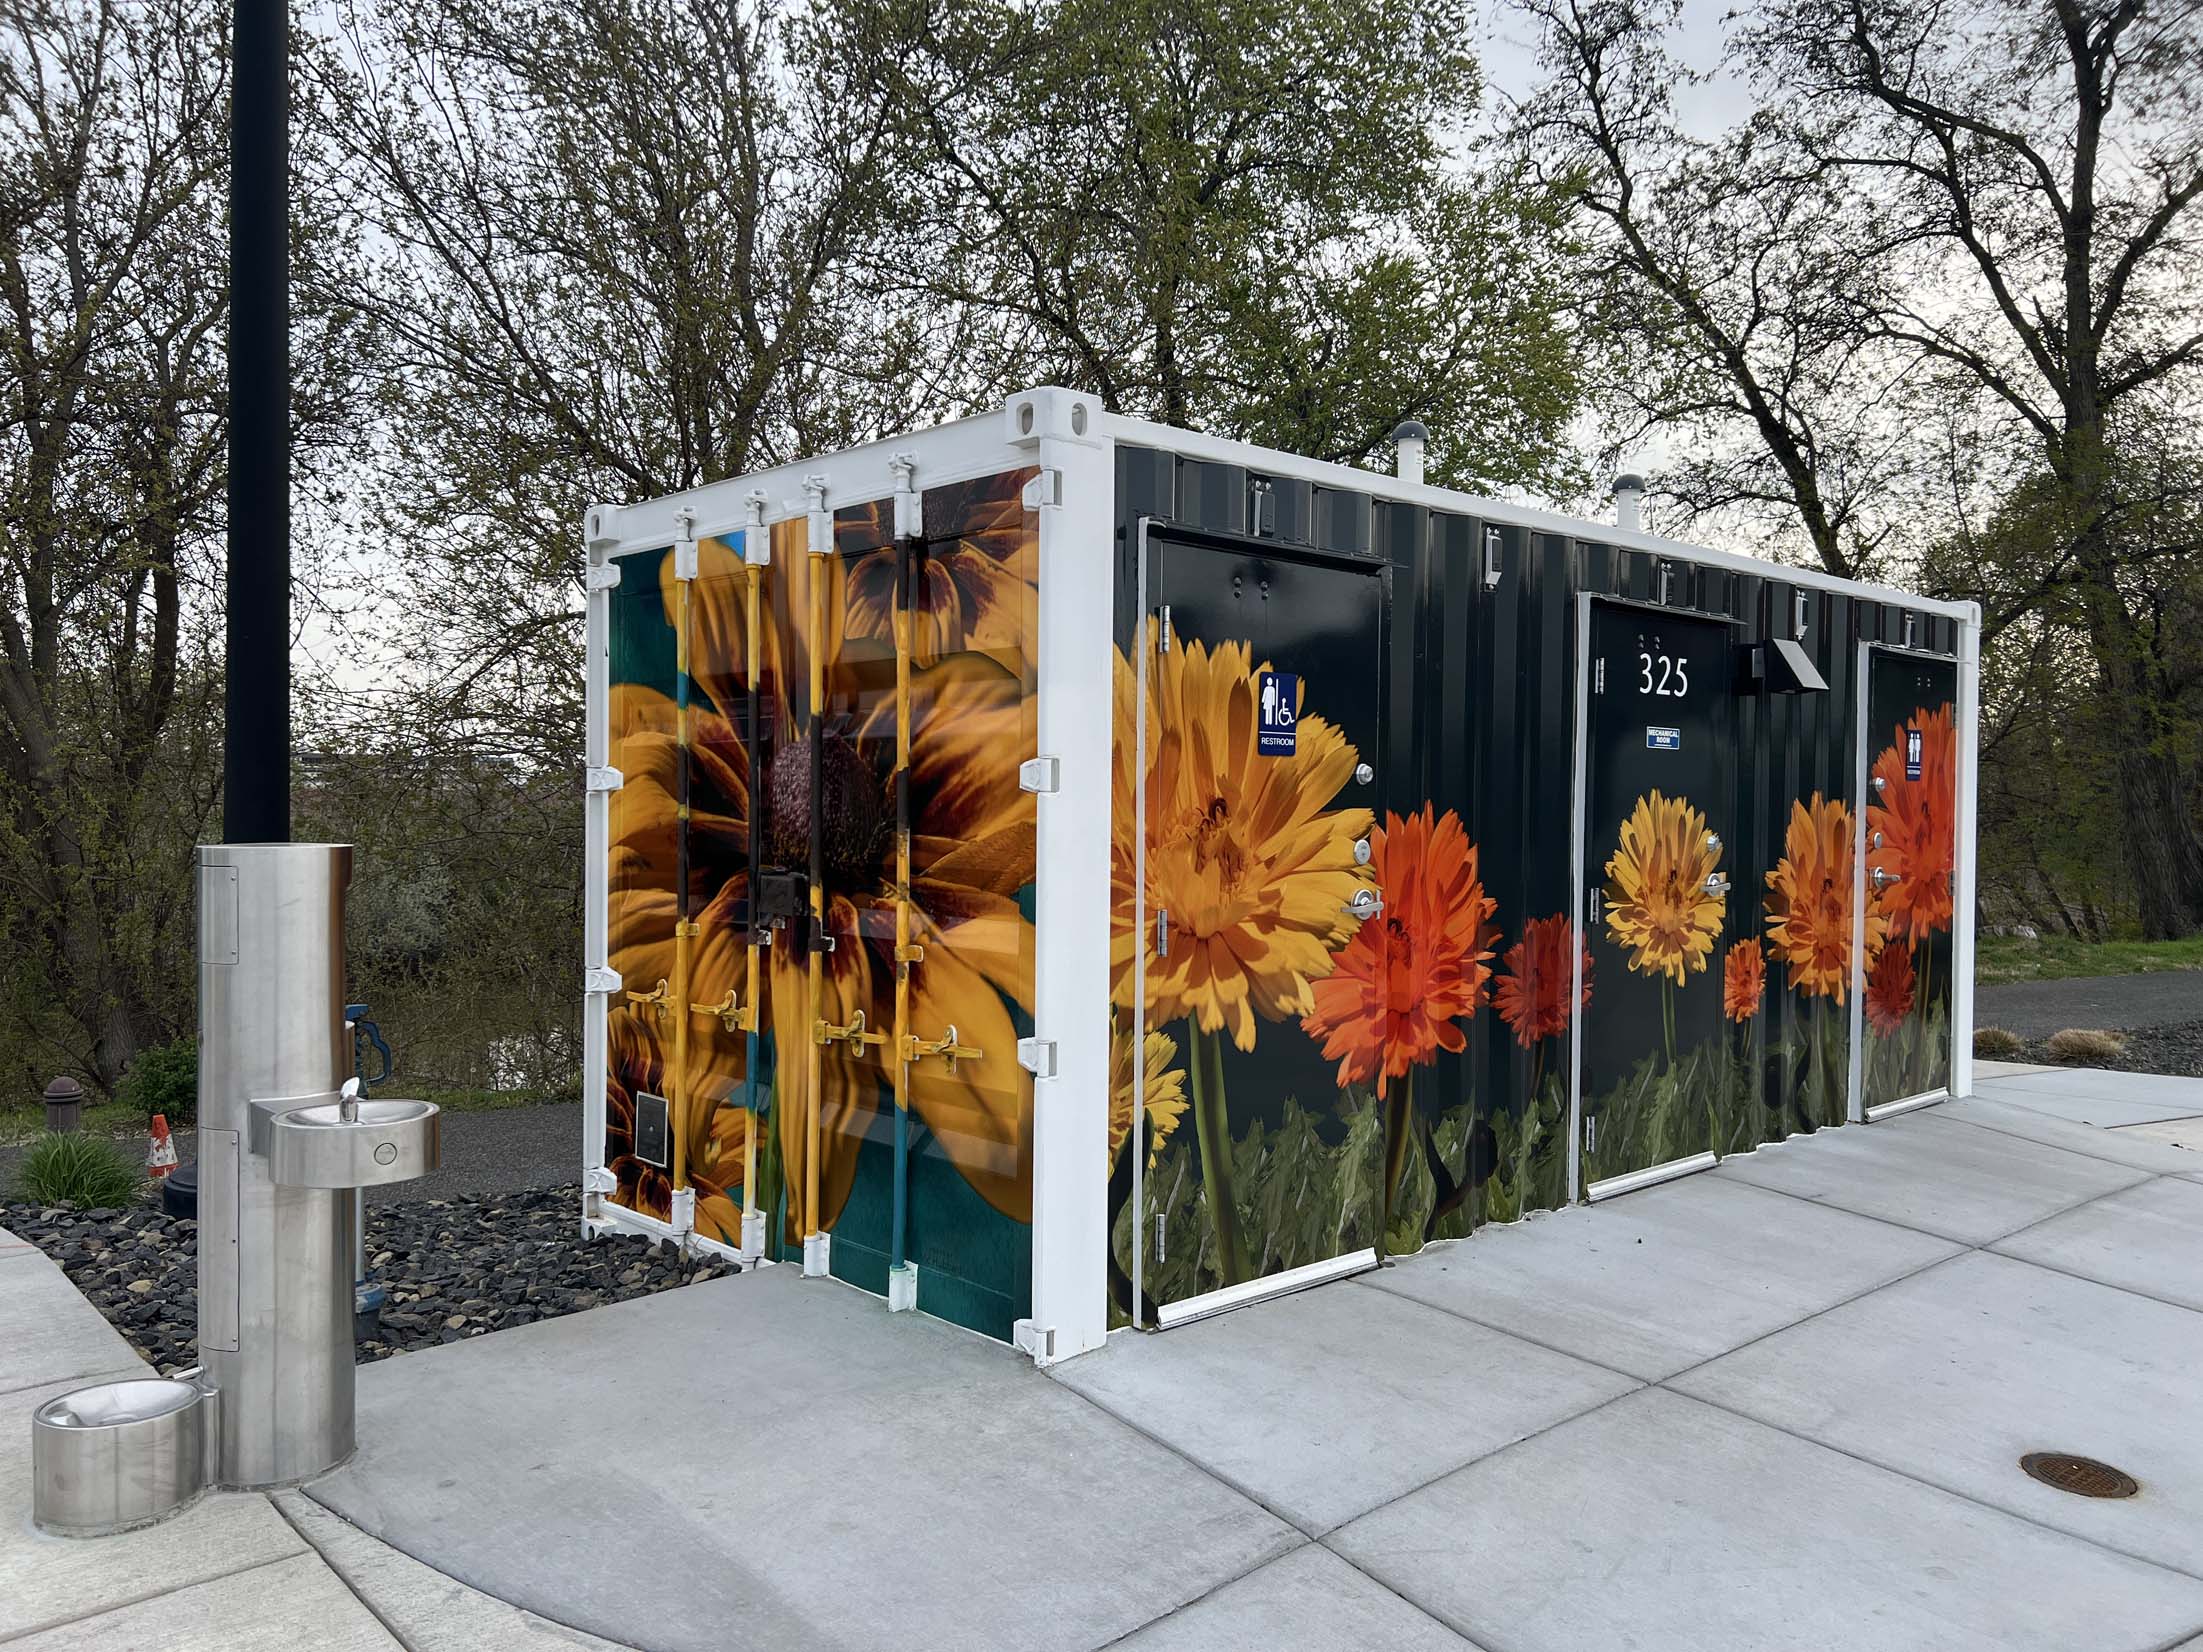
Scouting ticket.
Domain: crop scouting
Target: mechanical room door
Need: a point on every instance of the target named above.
(1909, 806)
(1266, 996)
(1659, 784)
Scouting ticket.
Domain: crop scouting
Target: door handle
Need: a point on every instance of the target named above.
(1717, 883)
(1367, 903)
(1882, 879)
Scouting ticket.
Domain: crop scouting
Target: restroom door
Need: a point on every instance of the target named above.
(1656, 801)
(1908, 810)
(1260, 1141)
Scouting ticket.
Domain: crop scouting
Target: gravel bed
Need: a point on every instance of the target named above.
(454, 1268)
(2176, 1050)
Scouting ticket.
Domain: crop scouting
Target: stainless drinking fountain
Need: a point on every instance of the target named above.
(285, 1145)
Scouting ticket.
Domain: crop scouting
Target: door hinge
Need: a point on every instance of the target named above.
(1037, 1056)
(1591, 1134)
(1162, 1250)
(1591, 918)
(1162, 932)
(601, 981)
(1037, 1340)
(604, 576)
(1598, 676)
(1045, 491)
(1039, 774)
(604, 778)
(1162, 629)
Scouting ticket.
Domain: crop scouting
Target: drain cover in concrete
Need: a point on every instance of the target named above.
(2082, 1476)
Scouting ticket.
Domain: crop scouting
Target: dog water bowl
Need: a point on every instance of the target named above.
(118, 1455)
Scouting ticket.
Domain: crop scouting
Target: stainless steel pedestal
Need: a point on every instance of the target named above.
(284, 1148)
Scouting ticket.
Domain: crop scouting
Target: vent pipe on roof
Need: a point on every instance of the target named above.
(1409, 440)
(1629, 495)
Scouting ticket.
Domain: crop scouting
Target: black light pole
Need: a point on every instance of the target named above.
(256, 775)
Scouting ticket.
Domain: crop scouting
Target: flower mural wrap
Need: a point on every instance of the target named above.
(1251, 861)
(1809, 901)
(972, 714)
(1163, 1091)
(1403, 984)
(1743, 979)
(1889, 990)
(1538, 976)
(1917, 820)
(1658, 905)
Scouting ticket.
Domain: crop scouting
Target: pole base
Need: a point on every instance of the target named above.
(902, 1288)
(817, 1255)
(753, 1236)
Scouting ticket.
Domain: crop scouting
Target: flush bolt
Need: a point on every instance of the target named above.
(1364, 773)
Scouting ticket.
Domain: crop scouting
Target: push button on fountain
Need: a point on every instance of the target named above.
(386, 1153)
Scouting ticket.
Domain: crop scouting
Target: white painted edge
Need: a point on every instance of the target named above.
(1271, 1284)
(1578, 842)
(1862, 687)
(1615, 1186)
(1962, 909)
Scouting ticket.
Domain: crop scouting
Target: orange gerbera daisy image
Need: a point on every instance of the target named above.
(1658, 905)
(1532, 991)
(1245, 852)
(1809, 900)
(1918, 823)
(1743, 979)
(1889, 990)
(1404, 982)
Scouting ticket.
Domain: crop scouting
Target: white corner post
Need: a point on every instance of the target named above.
(1075, 497)
(599, 983)
(1962, 903)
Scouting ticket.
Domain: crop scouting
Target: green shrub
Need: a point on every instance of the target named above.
(164, 1079)
(2076, 1045)
(89, 1172)
(1995, 1044)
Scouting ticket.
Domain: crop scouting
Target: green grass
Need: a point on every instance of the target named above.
(89, 1172)
(2057, 958)
(476, 1101)
(26, 1121)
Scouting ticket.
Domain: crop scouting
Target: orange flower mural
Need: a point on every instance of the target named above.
(1405, 982)
(1658, 906)
(1245, 852)
(1743, 979)
(972, 714)
(1918, 821)
(1531, 994)
(1809, 901)
(1889, 990)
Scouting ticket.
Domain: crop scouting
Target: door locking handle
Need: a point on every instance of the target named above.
(1367, 903)
(658, 998)
(917, 1049)
(1717, 883)
(827, 1033)
(731, 1015)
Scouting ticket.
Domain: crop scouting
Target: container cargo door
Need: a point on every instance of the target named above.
(1656, 796)
(1258, 1046)
(1908, 809)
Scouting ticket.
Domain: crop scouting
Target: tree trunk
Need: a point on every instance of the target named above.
(2157, 814)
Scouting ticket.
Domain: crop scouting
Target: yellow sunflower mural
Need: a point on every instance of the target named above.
(1663, 901)
(972, 716)
(1164, 1087)
(1245, 852)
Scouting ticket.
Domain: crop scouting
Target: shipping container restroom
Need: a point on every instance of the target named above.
(1388, 862)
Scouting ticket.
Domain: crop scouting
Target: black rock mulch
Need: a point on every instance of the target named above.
(2177, 1050)
(454, 1268)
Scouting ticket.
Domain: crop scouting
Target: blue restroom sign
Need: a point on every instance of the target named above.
(1663, 739)
(1912, 754)
(1277, 704)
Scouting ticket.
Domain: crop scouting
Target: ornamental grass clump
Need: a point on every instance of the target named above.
(89, 1172)
(1996, 1044)
(2078, 1045)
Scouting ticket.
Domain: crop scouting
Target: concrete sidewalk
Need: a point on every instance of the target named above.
(236, 1572)
(1778, 1404)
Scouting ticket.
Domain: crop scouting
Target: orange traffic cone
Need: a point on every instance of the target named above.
(160, 1152)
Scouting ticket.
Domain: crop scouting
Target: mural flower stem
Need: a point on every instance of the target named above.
(1212, 1129)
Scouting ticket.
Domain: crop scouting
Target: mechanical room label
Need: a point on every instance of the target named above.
(1663, 739)
(1278, 703)
(1912, 754)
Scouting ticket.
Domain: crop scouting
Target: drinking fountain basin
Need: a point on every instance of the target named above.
(330, 1143)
